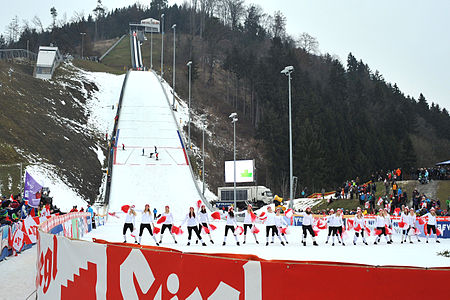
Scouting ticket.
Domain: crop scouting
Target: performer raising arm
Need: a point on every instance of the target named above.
(192, 224)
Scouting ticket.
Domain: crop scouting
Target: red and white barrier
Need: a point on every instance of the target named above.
(70, 269)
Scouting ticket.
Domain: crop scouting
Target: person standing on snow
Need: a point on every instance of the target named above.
(192, 225)
(147, 223)
(167, 224)
(129, 223)
(307, 224)
(271, 226)
(412, 225)
(230, 225)
(330, 224)
(249, 221)
(358, 222)
(380, 225)
(431, 224)
(203, 219)
(388, 223)
(280, 221)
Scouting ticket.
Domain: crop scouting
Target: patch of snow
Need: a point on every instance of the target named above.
(64, 197)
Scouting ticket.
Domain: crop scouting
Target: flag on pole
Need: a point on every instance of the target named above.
(32, 191)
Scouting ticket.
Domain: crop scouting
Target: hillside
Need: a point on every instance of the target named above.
(50, 125)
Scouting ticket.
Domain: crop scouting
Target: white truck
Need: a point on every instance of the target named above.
(255, 195)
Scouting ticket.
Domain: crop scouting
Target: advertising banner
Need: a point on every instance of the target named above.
(244, 171)
(116, 271)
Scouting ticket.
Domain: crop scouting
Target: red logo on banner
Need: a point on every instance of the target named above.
(47, 266)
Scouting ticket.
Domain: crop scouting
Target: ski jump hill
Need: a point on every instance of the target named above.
(150, 164)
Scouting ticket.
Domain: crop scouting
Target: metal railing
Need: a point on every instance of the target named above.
(17, 53)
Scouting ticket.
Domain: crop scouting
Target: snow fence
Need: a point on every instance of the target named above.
(68, 268)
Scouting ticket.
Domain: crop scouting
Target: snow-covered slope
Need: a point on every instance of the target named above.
(146, 122)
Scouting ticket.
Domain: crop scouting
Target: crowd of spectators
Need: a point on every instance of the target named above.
(14, 208)
(393, 196)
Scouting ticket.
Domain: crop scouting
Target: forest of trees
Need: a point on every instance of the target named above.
(347, 120)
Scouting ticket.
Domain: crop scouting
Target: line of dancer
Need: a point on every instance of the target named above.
(276, 223)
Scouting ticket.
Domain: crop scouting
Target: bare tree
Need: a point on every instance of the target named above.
(13, 30)
(37, 23)
(308, 43)
(279, 25)
(236, 10)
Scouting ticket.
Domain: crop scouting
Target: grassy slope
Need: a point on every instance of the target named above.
(34, 127)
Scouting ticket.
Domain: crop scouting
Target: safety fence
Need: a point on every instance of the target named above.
(102, 270)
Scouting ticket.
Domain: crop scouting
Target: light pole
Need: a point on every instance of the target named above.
(174, 26)
(162, 46)
(189, 64)
(234, 119)
(287, 71)
(82, 43)
(151, 49)
(203, 153)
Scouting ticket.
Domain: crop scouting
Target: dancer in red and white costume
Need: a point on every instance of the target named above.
(404, 217)
(412, 225)
(380, 225)
(280, 221)
(167, 224)
(203, 219)
(271, 226)
(431, 224)
(249, 222)
(230, 225)
(388, 223)
(147, 223)
(192, 225)
(307, 224)
(337, 222)
(329, 222)
(359, 222)
(129, 223)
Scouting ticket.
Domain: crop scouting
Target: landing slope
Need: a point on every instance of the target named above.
(146, 122)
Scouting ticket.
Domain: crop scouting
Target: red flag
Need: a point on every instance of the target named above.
(377, 231)
(212, 227)
(388, 230)
(255, 230)
(421, 221)
(206, 230)
(177, 230)
(357, 228)
(380, 200)
(438, 232)
(416, 231)
(125, 208)
(425, 228)
(367, 231)
(350, 224)
(316, 230)
(367, 204)
(161, 220)
(289, 213)
(156, 230)
(239, 230)
(397, 211)
(402, 224)
(215, 215)
(284, 230)
(263, 216)
(321, 224)
(252, 216)
(199, 204)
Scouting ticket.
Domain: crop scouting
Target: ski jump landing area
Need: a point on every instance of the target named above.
(146, 121)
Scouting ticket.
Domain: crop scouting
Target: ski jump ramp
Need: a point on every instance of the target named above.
(146, 121)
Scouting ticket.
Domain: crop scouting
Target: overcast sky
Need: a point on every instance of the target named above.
(408, 41)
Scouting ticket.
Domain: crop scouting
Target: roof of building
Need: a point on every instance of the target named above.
(46, 56)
